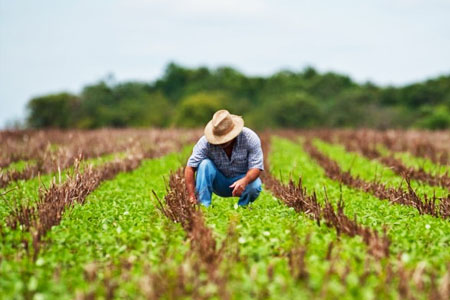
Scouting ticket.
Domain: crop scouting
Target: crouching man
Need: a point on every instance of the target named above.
(228, 160)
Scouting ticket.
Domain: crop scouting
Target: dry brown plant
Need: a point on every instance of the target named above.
(39, 218)
(296, 196)
(209, 257)
(381, 191)
(364, 142)
(73, 144)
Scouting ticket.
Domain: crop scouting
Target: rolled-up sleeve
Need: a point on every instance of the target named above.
(255, 154)
(199, 153)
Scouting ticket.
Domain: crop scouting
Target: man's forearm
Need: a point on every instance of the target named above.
(252, 174)
(189, 177)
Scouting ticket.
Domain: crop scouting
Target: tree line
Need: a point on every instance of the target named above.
(187, 97)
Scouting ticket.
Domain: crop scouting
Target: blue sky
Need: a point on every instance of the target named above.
(52, 46)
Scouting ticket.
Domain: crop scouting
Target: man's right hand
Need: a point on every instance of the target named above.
(193, 199)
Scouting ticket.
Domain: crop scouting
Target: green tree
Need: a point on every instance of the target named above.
(173, 82)
(58, 110)
(152, 110)
(196, 110)
(353, 108)
(434, 117)
(307, 98)
(117, 105)
(95, 102)
(292, 110)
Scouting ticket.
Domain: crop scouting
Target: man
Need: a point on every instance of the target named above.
(228, 160)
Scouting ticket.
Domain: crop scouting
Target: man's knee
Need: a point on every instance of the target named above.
(206, 164)
(206, 168)
(254, 188)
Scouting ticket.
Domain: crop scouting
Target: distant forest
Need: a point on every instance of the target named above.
(185, 97)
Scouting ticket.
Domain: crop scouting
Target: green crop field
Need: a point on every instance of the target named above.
(344, 214)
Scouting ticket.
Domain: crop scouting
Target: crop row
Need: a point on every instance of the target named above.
(397, 277)
(361, 142)
(156, 143)
(373, 170)
(48, 210)
(116, 219)
(46, 152)
(36, 145)
(420, 237)
(428, 144)
(121, 241)
(208, 255)
(394, 195)
(296, 196)
(30, 221)
(274, 250)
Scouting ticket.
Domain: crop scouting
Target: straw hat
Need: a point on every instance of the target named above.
(223, 127)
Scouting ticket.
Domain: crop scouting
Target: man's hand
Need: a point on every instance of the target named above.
(193, 199)
(190, 184)
(239, 186)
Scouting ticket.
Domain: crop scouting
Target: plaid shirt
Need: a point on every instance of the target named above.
(247, 154)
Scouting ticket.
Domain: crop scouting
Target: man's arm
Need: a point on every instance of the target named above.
(255, 164)
(199, 153)
(239, 185)
(189, 177)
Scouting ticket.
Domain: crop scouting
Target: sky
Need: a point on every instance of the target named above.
(50, 46)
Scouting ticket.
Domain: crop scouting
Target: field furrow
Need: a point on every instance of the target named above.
(284, 254)
(121, 227)
(297, 197)
(117, 220)
(417, 237)
(425, 164)
(205, 254)
(26, 192)
(369, 170)
(438, 207)
(59, 147)
(432, 145)
(74, 146)
(371, 151)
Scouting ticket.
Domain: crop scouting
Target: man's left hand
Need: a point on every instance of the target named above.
(239, 187)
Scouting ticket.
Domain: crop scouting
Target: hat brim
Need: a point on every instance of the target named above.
(217, 140)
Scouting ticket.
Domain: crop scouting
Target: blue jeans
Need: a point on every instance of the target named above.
(209, 179)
